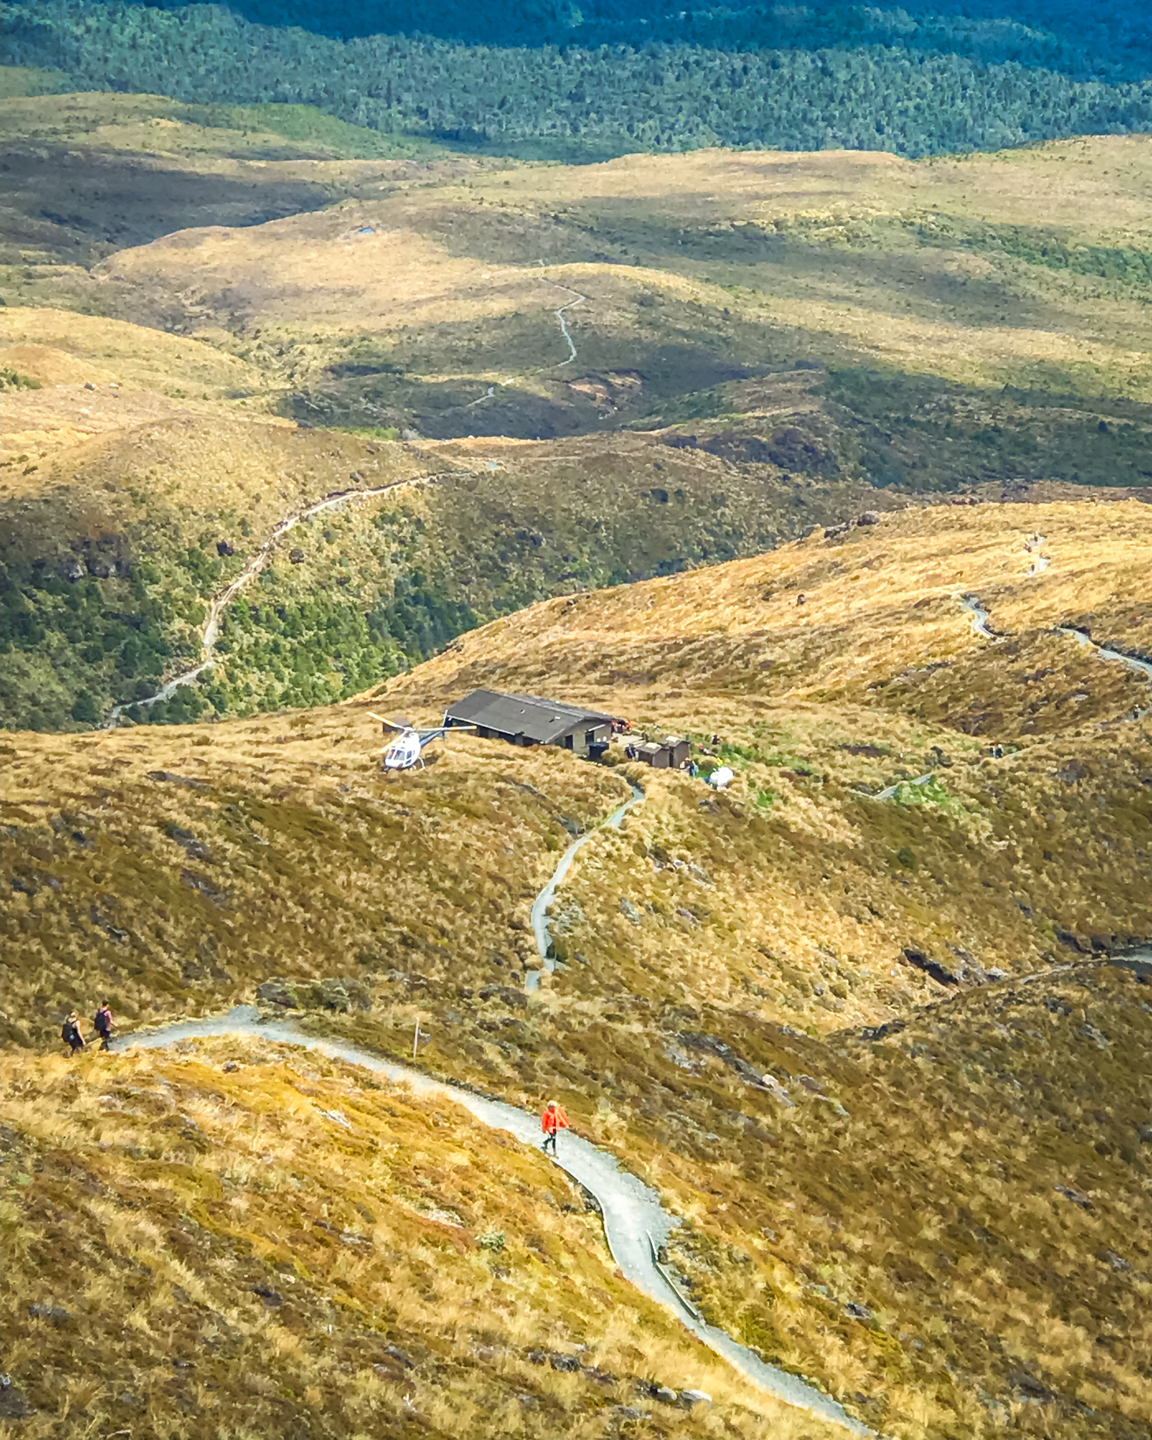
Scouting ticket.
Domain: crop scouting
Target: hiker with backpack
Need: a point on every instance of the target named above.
(103, 1024)
(70, 1033)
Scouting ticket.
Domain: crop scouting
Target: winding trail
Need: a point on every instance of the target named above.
(543, 901)
(635, 1223)
(979, 618)
(1105, 652)
(210, 631)
(559, 313)
(1033, 546)
(560, 316)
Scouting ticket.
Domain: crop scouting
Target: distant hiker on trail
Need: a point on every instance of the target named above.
(103, 1023)
(552, 1122)
(70, 1033)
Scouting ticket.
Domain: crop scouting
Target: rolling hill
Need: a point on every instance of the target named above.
(716, 369)
(934, 1203)
(718, 351)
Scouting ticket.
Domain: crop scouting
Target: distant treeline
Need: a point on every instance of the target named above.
(1110, 39)
(791, 76)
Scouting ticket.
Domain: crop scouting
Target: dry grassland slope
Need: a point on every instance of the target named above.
(241, 1239)
(943, 342)
(836, 616)
(936, 267)
(883, 1213)
(180, 868)
(831, 670)
(88, 174)
(140, 479)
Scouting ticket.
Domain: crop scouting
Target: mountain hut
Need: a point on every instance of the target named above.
(533, 720)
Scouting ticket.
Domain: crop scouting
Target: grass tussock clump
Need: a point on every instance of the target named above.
(241, 1239)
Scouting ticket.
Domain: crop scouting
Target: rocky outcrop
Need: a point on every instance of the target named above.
(940, 973)
(338, 994)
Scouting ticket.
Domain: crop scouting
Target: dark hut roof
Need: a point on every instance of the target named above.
(531, 716)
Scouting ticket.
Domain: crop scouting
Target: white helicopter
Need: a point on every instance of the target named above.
(406, 750)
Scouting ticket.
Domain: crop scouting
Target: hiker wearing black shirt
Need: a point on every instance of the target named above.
(102, 1022)
(70, 1033)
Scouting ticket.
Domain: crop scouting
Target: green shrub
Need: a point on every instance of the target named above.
(84, 709)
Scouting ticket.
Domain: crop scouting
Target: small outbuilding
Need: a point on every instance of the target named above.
(667, 754)
(532, 720)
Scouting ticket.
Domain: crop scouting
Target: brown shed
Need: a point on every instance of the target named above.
(667, 754)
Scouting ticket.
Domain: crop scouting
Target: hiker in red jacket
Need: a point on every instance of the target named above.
(552, 1122)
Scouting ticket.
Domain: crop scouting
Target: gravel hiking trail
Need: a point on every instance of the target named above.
(979, 617)
(979, 620)
(259, 561)
(544, 900)
(1105, 652)
(560, 316)
(490, 393)
(210, 632)
(635, 1223)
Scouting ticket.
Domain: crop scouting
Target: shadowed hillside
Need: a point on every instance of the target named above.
(139, 509)
(88, 174)
(625, 369)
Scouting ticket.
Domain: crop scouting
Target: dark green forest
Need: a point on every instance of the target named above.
(549, 81)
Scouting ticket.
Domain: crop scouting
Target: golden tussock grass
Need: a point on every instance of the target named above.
(761, 930)
(876, 677)
(463, 255)
(94, 347)
(177, 868)
(826, 620)
(100, 377)
(232, 1260)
